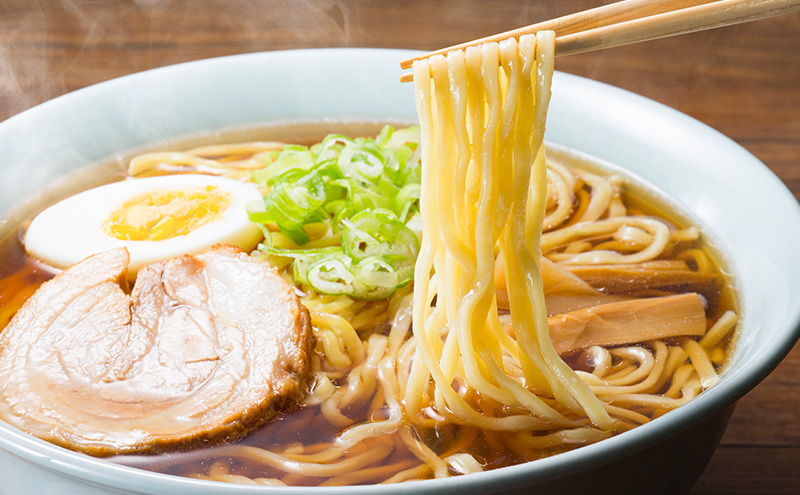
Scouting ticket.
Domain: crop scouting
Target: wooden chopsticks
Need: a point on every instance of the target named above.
(632, 21)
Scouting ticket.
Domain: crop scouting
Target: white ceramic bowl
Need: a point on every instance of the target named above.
(713, 179)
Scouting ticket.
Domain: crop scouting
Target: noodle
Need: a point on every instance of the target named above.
(457, 376)
(459, 247)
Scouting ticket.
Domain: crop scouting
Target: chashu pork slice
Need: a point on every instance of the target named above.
(204, 349)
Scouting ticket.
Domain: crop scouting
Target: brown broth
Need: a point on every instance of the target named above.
(308, 426)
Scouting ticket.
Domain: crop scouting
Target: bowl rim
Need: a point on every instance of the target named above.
(109, 475)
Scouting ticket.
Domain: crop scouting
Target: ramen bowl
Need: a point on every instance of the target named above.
(687, 165)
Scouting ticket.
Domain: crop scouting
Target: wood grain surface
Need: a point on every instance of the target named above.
(742, 80)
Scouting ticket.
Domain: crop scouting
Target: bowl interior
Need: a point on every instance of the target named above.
(746, 212)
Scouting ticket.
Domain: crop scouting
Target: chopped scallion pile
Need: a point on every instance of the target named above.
(340, 210)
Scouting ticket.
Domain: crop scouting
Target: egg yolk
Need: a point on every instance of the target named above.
(164, 214)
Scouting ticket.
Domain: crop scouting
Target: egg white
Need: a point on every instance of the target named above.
(72, 229)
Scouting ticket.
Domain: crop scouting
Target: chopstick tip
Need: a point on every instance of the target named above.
(407, 77)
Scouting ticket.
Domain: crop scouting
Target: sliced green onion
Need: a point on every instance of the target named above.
(379, 233)
(332, 275)
(290, 158)
(406, 200)
(374, 271)
(364, 189)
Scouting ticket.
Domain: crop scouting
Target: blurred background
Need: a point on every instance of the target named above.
(742, 80)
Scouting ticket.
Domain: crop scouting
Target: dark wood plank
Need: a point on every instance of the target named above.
(733, 471)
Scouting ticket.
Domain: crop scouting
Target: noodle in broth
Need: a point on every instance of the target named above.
(462, 374)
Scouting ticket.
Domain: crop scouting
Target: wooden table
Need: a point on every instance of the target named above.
(742, 80)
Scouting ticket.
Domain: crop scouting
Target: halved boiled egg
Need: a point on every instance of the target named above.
(156, 218)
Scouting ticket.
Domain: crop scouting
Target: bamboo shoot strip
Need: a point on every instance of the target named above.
(628, 322)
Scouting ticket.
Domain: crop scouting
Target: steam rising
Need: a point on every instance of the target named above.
(43, 43)
(25, 78)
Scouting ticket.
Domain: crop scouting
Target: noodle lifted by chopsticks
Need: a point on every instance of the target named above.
(481, 130)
